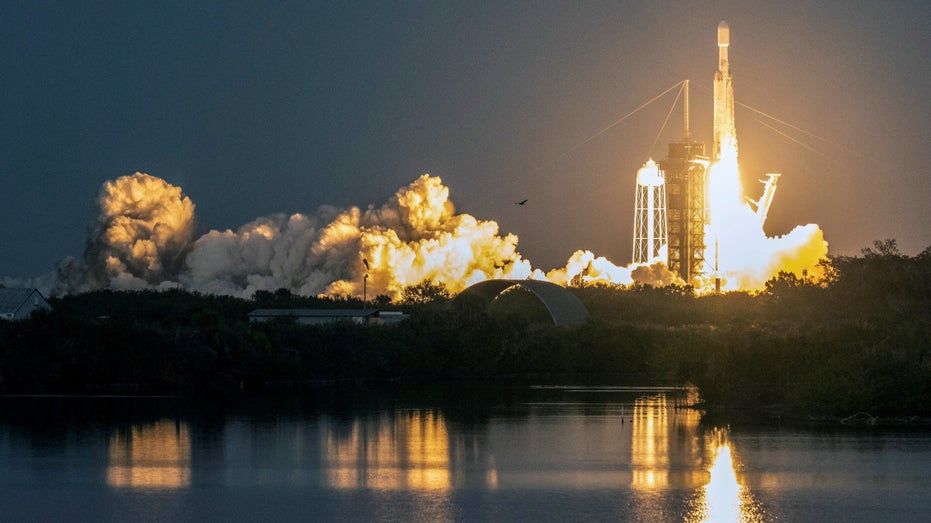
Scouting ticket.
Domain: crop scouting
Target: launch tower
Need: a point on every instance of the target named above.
(685, 171)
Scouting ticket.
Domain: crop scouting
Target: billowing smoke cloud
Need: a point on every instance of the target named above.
(143, 239)
(584, 268)
(415, 236)
(657, 274)
(141, 236)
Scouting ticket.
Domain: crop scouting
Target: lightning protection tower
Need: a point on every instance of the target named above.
(649, 214)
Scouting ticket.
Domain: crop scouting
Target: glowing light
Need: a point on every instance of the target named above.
(407, 453)
(657, 459)
(650, 444)
(722, 493)
(155, 456)
(738, 250)
(428, 451)
(723, 498)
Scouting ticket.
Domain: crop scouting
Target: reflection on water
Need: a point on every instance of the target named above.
(724, 498)
(722, 493)
(530, 454)
(409, 451)
(664, 445)
(669, 451)
(151, 456)
(665, 454)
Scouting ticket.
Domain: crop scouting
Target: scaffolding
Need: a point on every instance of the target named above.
(686, 207)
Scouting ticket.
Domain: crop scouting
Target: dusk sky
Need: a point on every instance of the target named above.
(261, 107)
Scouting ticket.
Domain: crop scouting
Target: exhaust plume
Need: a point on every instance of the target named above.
(140, 238)
(738, 250)
(143, 238)
(415, 236)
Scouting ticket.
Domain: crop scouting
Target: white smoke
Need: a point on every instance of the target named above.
(143, 238)
(584, 268)
(415, 236)
(656, 274)
(139, 240)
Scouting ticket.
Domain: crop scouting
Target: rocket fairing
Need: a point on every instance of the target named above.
(724, 40)
(725, 132)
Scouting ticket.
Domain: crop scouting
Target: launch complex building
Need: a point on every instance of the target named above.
(671, 204)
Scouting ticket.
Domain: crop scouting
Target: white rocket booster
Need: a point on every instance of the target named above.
(725, 132)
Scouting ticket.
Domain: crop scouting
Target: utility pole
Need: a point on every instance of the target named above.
(365, 280)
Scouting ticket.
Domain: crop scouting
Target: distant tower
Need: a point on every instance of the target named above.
(649, 214)
(686, 186)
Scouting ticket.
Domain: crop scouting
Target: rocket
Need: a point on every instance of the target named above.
(725, 133)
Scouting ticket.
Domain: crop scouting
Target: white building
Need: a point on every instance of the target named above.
(19, 304)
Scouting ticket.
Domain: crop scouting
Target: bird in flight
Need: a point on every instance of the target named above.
(520, 202)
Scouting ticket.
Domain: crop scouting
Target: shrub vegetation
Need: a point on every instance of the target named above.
(857, 339)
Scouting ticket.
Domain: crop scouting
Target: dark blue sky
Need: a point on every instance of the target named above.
(260, 107)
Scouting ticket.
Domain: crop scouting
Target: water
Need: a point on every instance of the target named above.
(445, 453)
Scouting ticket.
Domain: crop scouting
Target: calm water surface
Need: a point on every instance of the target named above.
(431, 453)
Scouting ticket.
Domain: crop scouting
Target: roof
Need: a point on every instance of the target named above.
(12, 299)
(564, 307)
(313, 313)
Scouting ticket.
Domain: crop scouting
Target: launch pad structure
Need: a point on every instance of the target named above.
(670, 209)
(684, 175)
(685, 169)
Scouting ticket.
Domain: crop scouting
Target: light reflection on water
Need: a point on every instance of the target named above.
(151, 456)
(724, 497)
(547, 453)
(669, 451)
(665, 449)
(410, 451)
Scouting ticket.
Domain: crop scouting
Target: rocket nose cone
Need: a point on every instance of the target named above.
(724, 33)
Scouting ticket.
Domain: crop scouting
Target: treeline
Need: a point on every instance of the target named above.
(854, 340)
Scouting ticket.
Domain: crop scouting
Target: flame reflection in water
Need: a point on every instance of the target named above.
(409, 452)
(151, 456)
(724, 498)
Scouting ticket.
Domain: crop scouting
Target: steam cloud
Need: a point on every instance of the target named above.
(141, 235)
(415, 236)
(144, 238)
